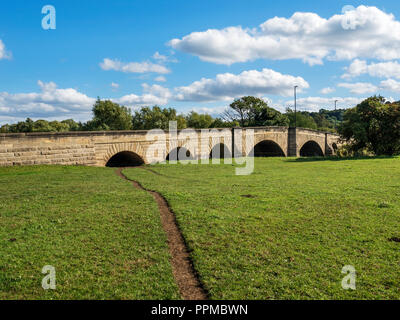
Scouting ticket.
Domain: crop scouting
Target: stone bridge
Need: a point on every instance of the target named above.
(120, 148)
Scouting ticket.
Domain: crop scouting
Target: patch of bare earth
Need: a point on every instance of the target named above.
(182, 267)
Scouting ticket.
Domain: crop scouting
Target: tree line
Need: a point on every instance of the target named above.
(245, 112)
(372, 127)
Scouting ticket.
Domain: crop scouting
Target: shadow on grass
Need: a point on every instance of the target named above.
(335, 158)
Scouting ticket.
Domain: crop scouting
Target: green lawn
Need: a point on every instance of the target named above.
(103, 237)
(286, 231)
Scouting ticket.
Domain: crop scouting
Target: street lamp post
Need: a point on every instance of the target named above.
(295, 106)
(335, 114)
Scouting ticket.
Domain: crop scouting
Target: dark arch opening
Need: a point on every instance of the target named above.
(328, 150)
(268, 148)
(220, 151)
(125, 159)
(311, 149)
(179, 153)
(334, 146)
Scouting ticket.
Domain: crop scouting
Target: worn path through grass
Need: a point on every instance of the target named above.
(184, 273)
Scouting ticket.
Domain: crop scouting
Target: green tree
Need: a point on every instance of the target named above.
(38, 126)
(59, 126)
(328, 120)
(220, 123)
(199, 121)
(5, 128)
(252, 111)
(303, 119)
(156, 118)
(181, 121)
(22, 126)
(72, 125)
(109, 116)
(373, 125)
(42, 126)
(267, 116)
(95, 125)
(321, 121)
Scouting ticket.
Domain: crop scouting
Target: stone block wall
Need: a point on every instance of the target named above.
(37, 149)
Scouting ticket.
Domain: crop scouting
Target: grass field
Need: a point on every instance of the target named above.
(285, 232)
(103, 237)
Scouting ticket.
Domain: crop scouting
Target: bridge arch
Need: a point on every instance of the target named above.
(220, 151)
(133, 154)
(268, 148)
(311, 149)
(179, 153)
(125, 159)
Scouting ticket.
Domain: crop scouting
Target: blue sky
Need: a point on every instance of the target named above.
(194, 55)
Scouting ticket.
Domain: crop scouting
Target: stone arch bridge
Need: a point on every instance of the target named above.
(116, 148)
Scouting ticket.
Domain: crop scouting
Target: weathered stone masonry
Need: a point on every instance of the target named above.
(96, 148)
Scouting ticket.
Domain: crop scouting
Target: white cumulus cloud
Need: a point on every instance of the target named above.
(359, 87)
(390, 69)
(390, 85)
(133, 67)
(213, 111)
(159, 57)
(152, 95)
(371, 33)
(4, 54)
(317, 103)
(327, 90)
(52, 102)
(160, 79)
(369, 88)
(49, 101)
(228, 86)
